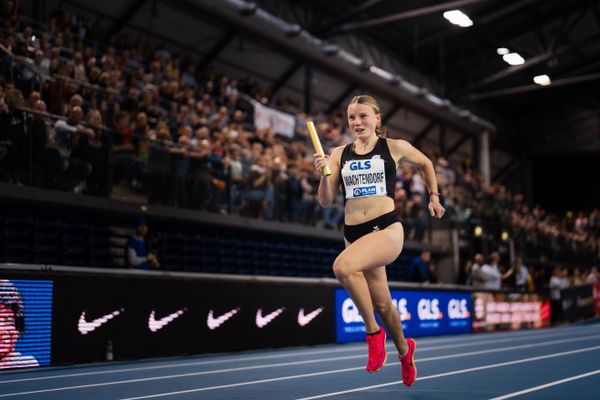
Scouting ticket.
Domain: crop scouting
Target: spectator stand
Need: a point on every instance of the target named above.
(94, 231)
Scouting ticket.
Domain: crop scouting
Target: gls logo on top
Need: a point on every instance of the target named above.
(359, 165)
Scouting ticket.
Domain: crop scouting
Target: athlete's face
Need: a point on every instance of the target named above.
(362, 120)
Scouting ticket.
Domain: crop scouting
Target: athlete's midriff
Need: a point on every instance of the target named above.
(362, 210)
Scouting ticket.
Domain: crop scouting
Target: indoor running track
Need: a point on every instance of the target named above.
(560, 363)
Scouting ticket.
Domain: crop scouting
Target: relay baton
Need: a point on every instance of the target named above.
(317, 145)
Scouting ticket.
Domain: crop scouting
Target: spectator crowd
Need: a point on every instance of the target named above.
(146, 121)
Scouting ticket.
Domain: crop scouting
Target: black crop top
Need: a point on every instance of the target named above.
(367, 175)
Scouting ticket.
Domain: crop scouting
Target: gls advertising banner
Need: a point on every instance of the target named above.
(423, 313)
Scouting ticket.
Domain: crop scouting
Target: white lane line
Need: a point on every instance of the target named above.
(358, 347)
(546, 385)
(462, 371)
(289, 364)
(505, 349)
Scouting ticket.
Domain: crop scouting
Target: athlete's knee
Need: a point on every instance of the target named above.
(343, 268)
(382, 307)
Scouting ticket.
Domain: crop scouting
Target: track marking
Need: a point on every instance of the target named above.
(462, 371)
(358, 347)
(546, 385)
(288, 364)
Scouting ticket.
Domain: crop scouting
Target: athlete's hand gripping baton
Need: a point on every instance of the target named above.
(317, 145)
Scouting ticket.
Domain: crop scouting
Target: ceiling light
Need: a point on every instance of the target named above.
(543, 80)
(457, 17)
(502, 51)
(381, 72)
(513, 59)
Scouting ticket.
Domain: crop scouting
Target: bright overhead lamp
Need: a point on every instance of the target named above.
(543, 80)
(513, 59)
(502, 51)
(381, 72)
(459, 18)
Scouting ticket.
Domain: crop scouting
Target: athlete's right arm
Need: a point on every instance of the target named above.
(329, 184)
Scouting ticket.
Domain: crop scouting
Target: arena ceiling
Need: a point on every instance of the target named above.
(559, 38)
(411, 39)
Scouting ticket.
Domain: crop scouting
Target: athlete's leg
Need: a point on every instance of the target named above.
(358, 289)
(389, 315)
(369, 252)
(382, 303)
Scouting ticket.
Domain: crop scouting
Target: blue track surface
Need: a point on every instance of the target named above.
(559, 363)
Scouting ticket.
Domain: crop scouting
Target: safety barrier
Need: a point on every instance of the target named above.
(97, 314)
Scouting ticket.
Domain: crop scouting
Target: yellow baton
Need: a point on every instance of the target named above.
(317, 144)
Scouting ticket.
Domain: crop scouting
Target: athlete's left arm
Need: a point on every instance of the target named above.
(403, 150)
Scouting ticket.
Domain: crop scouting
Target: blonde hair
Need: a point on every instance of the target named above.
(371, 102)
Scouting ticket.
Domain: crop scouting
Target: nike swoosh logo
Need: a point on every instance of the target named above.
(214, 323)
(86, 327)
(262, 321)
(157, 324)
(304, 320)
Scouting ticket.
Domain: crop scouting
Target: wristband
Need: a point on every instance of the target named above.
(434, 194)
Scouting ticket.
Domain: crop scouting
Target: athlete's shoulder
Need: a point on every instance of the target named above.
(339, 148)
(398, 145)
(397, 142)
(337, 151)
